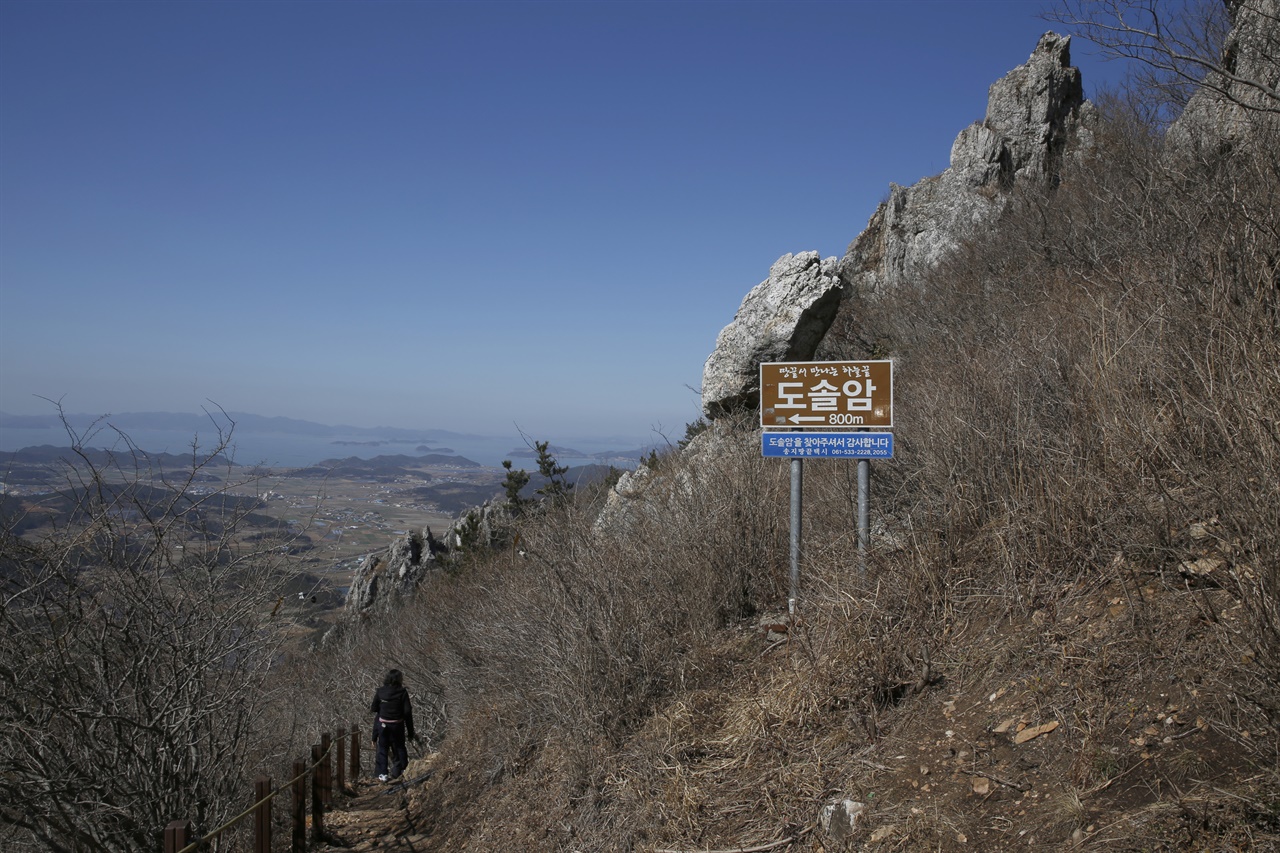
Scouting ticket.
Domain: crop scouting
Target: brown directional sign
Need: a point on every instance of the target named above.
(812, 394)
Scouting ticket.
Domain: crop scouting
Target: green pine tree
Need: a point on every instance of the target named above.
(557, 487)
(517, 479)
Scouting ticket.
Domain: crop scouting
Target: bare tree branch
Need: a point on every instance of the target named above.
(1183, 46)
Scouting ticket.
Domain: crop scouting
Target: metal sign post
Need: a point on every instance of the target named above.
(797, 490)
(864, 524)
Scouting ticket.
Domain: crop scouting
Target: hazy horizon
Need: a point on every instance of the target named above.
(279, 446)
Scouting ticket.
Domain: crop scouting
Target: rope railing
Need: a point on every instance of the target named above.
(177, 835)
(195, 845)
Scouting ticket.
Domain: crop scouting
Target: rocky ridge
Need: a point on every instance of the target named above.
(387, 577)
(1036, 116)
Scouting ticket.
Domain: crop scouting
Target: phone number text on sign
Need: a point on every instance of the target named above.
(826, 393)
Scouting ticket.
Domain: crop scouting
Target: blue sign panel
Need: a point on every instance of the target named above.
(828, 445)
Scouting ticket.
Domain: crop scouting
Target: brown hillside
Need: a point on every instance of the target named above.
(1067, 635)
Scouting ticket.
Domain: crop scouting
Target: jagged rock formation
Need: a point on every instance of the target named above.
(614, 516)
(388, 577)
(782, 319)
(1036, 115)
(484, 526)
(394, 573)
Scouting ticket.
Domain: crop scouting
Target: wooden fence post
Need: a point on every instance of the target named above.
(177, 835)
(262, 815)
(340, 750)
(355, 754)
(326, 750)
(317, 796)
(300, 806)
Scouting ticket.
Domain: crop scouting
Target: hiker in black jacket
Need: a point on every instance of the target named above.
(392, 723)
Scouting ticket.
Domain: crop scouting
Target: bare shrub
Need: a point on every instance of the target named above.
(135, 653)
(1175, 45)
(585, 626)
(1096, 380)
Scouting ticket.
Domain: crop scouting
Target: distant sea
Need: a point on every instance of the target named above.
(286, 450)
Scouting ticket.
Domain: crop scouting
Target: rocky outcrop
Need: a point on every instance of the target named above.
(622, 499)
(393, 574)
(1240, 100)
(645, 496)
(1036, 116)
(782, 319)
(486, 526)
(1033, 114)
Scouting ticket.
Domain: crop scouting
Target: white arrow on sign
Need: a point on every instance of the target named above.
(799, 419)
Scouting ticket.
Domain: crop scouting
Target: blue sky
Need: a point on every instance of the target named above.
(446, 215)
